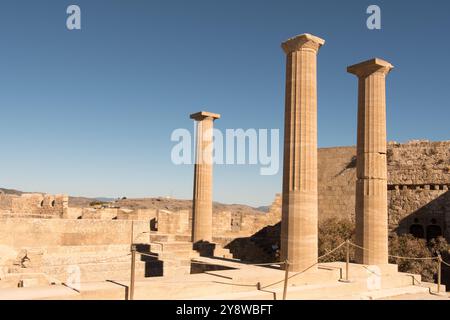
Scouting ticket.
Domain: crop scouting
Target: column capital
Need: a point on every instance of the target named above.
(199, 116)
(301, 42)
(366, 68)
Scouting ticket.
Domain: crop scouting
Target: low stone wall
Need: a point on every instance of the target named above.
(174, 222)
(34, 204)
(22, 232)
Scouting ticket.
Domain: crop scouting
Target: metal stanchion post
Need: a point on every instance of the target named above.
(286, 277)
(133, 264)
(347, 263)
(439, 273)
(347, 260)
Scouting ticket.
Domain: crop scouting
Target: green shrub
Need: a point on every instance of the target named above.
(333, 232)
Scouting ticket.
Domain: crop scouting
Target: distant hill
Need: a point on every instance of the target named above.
(263, 208)
(177, 204)
(11, 191)
(160, 203)
(83, 202)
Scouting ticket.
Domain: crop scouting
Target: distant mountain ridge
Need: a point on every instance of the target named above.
(11, 191)
(159, 203)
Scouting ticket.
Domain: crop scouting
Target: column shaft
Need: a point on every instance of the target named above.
(299, 229)
(203, 169)
(371, 170)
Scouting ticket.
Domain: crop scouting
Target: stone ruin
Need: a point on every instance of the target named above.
(34, 204)
(418, 202)
(395, 187)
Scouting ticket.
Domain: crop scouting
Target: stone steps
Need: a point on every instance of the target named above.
(240, 284)
(391, 285)
(25, 280)
(385, 293)
(97, 271)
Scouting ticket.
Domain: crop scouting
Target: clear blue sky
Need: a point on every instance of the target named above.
(91, 112)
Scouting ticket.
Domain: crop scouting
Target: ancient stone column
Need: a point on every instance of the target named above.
(371, 169)
(202, 200)
(299, 229)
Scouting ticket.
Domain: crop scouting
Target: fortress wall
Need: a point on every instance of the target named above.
(419, 207)
(418, 184)
(337, 178)
(34, 204)
(419, 162)
(23, 232)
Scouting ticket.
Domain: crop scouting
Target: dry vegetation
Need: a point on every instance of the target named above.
(334, 231)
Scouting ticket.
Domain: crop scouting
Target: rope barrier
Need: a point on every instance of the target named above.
(247, 264)
(332, 251)
(393, 256)
(303, 271)
(147, 254)
(447, 264)
(317, 263)
(287, 277)
(412, 258)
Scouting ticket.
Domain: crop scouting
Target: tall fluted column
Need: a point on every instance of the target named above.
(371, 168)
(202, 200)
(299, 229)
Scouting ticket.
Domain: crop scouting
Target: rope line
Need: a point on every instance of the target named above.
(393, 256)
(335, 249)
(447, 264)
(247, 264)
(192, 260)
(303, 271)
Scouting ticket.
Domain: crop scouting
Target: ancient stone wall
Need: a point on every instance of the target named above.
(34, 204)
(419, 179)
(418, 188)
(225, 223)
(418, 184)
(419, 163)
(337, 178)
(28, 232)
(174, 222)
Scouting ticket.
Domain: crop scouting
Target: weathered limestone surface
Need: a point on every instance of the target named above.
(418, 185)
(371, 165)
(418, 174)
(202, 200)
(419, 162)
(300, 201)
(174, 222)
(44, 205)
(18, 232)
